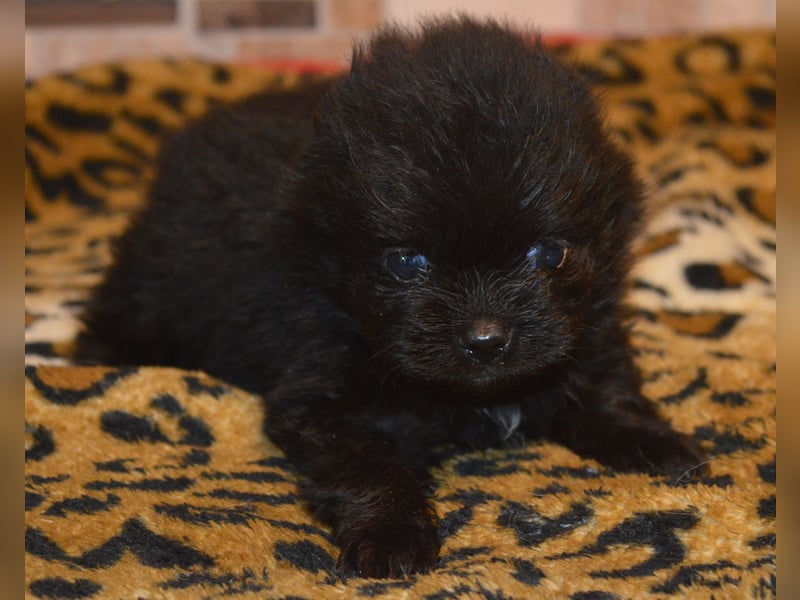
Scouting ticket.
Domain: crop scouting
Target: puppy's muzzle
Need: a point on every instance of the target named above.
(485, 341)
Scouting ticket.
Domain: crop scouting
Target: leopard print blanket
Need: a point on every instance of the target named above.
(147, 482)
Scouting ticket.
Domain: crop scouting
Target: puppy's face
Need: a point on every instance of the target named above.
(482, 222)
(478, 286)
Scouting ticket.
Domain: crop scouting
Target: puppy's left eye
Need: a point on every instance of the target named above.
(406, 265)
(547, 255)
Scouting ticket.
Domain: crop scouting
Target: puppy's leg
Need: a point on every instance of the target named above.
(609, 420)
(371, 491)
(628, 435)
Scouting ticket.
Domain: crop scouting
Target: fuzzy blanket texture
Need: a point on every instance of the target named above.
(148, 482)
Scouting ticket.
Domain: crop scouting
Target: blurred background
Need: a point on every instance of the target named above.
(64, 34)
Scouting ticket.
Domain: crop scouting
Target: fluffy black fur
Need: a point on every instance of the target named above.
(431, 250)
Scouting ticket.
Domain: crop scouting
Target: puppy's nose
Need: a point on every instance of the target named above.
(485, 341)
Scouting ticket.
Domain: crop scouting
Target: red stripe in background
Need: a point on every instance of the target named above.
(296, 66)
(290, 65)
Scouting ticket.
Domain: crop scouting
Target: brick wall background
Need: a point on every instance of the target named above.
(63, 34)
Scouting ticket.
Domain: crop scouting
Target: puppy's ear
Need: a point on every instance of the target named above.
(361, 57)
(390, 44)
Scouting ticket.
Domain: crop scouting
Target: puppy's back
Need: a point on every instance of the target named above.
(191, 273)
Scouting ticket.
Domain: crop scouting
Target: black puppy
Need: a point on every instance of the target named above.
(431, 250)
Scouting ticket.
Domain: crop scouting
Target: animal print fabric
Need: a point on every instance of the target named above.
(148, 482)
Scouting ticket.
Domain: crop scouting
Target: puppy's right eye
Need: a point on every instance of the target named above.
(547, 255)
(405, 265)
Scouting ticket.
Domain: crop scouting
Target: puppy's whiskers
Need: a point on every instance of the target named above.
(388, 376)
(380, 352)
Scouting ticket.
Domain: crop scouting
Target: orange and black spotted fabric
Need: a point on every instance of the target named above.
(148, 482)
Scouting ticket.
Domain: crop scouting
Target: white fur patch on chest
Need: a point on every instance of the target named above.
(506, 417)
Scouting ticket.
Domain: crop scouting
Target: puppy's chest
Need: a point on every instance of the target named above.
(506, 420)
(432, 423)
(498, 426)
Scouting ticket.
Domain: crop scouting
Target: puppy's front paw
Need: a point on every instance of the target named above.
(388, 548)
(679, 456)
(659, 453)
